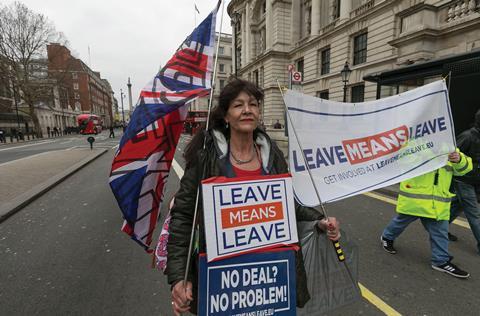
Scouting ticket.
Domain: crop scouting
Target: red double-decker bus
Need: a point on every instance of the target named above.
(194, 121)
(89, 124)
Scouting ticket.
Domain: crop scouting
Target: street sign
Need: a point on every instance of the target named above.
(296, 77)
(290, 68)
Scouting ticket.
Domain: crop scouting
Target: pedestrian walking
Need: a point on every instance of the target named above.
(112, 133)
(427, 197)
(55, 131)
(465, 187)
(277, 125)
(2, 136)
(48, 131)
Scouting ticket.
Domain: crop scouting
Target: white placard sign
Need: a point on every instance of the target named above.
(248, 214)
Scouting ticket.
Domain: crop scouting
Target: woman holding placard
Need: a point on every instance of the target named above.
(233, 146)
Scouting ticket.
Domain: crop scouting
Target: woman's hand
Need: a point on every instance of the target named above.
(181, 297)
(331, 226)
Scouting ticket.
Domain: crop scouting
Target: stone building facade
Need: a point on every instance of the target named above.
(373, 36)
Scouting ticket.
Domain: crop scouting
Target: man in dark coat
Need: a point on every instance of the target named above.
(466, 200)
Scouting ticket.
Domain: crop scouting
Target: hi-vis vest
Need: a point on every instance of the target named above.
(429, 195)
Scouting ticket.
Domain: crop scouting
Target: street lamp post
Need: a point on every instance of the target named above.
(16, 103)
(345, 72)
(123, 112)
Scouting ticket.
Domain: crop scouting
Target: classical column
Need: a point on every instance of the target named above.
(244, 38)
(130, 103)
(345, 8)
(296, 21)
(315, 17)
(269, 25)
(248, 34)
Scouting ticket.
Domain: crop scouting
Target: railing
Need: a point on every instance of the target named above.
(460, 9)
(362, 9)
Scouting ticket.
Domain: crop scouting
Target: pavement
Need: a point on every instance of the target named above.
(24, 180)
(26, 139)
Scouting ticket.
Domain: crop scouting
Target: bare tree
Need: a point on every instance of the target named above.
(24, 36)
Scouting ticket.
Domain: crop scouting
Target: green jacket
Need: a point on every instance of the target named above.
(213, 161)
(429, 195)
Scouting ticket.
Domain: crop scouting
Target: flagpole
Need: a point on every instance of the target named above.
(336, 244)
(212, 87)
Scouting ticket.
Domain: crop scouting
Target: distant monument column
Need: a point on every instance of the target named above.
(129, 85)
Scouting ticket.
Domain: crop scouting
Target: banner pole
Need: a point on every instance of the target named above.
(192, 234)
(324, 210)
(336, 243)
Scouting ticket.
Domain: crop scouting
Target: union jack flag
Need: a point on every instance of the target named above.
(142, 162)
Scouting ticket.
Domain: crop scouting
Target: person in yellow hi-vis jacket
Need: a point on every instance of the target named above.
(427, 197)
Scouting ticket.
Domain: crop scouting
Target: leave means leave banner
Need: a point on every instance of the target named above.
(353, 148)
(249, 213)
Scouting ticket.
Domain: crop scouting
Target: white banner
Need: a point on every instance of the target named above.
(248, 214)
(353, 148)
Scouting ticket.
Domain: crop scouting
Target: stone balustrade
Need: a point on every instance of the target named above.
(460, 9)
(362, 9)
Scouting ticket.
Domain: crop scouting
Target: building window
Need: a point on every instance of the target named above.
(358, 93)
(75, 86)
(222, 84)
(336, 9)
(255, 77)
(325, 61)
(221, 50)
(262, 77)
(308, 20)
(299, 64)
(238, 60)
(360, 49)
(222, 68)
(74, 75)
(322, 94)
(77, 96)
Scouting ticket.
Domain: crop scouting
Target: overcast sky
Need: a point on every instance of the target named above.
(126, 38)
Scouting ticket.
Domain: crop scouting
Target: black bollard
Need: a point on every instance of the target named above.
(91, 139)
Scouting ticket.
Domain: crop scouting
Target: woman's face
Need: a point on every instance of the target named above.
(243, 113)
